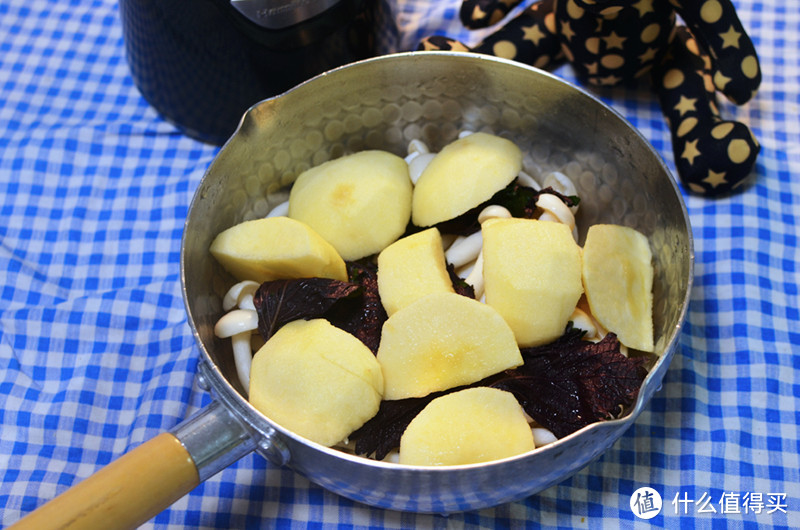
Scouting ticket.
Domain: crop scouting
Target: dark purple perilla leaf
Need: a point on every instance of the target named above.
(519, 200)
(353, 306)
(363, 315)
(279, 302)
(564, 386)
(382, 433)
(571, 383)
(460, 286)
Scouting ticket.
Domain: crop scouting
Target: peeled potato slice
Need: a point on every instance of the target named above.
(467, 427)
(411, 268)
(464, 174)
(441, 341)
(359, 203)
(316, 380)
(618, 278)
(532, 275)
(276, 248)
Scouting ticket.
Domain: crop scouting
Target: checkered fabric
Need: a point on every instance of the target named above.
(96, 355)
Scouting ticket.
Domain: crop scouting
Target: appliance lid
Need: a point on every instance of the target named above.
(279, 14)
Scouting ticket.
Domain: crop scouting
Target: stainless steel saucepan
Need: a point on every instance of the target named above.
(383, 103)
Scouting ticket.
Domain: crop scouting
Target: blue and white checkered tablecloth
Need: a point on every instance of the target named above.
(96, 355)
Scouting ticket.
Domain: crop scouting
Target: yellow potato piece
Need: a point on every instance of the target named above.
(441, 341)
(411, 268)
(462, 175)
(618, 278)
(532, 275)
(316, 380)
(276, 248)
(467, 427)
(359, 203)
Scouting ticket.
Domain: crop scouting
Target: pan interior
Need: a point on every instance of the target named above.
(384, 103)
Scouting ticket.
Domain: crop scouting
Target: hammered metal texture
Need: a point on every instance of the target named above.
(384, 103)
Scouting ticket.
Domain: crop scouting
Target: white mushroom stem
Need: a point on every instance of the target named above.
(493, 211)
(464, 249)
(447, 240)
(247, 302)
(475, 278)
(524, 179)
(555, 210)
(240, 295)
(239, 325)
(542, 436)
(236, 322)
(583, 321)
(280, 210)
(465, 271)
(475, 275)
(418, 164)
(417, 147)
(560, 182)
(242, 357)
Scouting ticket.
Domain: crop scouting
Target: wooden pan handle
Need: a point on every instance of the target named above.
(124, 494)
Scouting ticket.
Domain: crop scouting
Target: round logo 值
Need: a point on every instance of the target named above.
(646, 503)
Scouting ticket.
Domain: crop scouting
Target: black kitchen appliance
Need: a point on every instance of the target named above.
(202, 63)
